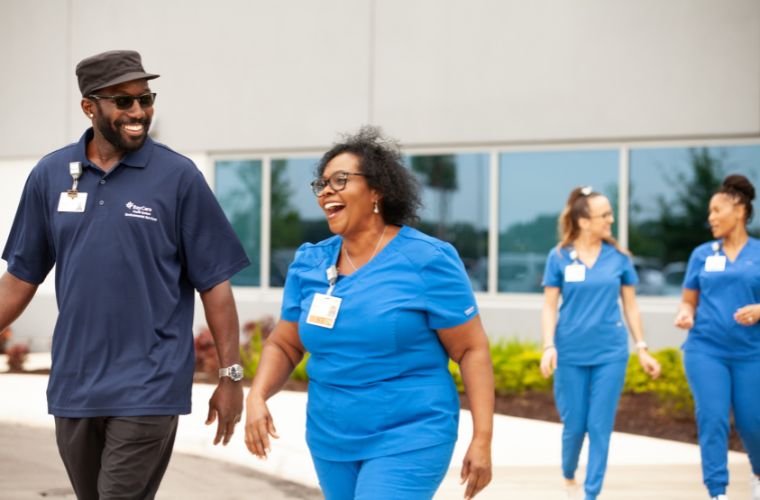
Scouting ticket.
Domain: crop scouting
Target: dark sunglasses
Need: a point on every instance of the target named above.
(125, 101)
(336, 181)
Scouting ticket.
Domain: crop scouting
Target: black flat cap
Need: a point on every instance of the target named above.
(110, 68)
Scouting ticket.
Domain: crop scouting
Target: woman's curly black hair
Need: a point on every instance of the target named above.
(741, 189)
(381, 161)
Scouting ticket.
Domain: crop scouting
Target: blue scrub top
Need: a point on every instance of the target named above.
(127, 267)
(721, 293)
(378, 380)
(590, 328)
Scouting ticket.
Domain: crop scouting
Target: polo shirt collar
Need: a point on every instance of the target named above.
(138, 159)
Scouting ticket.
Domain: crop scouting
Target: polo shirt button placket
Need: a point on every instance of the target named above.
(101, 203)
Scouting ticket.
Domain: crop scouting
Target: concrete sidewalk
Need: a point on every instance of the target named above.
(526, 453)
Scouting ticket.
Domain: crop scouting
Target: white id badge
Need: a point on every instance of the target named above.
(68, 204)
(324, 310)
(575, 273)
(715, 263)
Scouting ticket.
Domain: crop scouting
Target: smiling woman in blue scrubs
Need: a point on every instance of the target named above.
(587, 347)
(381, 307)
(720, 307)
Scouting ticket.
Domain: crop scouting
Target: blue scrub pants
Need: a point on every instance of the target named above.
(718, 385)
(414, 475)
(587, 399)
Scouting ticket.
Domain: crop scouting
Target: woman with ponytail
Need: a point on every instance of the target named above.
(586, 346)
(720, 306)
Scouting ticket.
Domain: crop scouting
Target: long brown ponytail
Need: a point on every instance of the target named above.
(576, 208)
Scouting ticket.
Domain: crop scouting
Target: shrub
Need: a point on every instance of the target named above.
(5, 336)
(17, 354)
(516, 368)
(206, 359)
(671, 387)
(254, 335)
(299, 372)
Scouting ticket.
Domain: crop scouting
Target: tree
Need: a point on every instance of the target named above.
(681, 224)
(439, 173)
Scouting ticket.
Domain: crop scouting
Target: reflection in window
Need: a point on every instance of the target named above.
(670, 189)
(238, 188)
(296, 216)
(455, 206)
(532, 192)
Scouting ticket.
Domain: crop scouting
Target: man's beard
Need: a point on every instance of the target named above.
(111, 133)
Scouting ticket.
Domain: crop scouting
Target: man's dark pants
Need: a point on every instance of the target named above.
(116, 457)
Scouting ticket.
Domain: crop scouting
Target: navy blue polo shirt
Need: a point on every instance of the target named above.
(151, 234)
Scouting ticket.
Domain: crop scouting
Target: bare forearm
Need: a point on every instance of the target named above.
(477, 375)
(274, 370)
(15, 295)
(686, 307)
(633, 318)
(222, 319)
(549, 315)
(548, 325)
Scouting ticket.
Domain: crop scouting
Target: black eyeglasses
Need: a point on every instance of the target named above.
(125, 101)
(337, 181)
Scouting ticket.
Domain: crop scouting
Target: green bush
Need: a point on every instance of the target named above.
(299, 372)
(671, 387)
(516, 368)
(254, 335)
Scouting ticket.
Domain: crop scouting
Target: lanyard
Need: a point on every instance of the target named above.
(332, 278)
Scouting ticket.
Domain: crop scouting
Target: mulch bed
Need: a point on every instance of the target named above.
(639, 414)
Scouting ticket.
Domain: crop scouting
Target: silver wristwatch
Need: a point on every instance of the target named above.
(235, 372)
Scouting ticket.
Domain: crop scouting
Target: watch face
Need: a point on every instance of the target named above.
(236, 372)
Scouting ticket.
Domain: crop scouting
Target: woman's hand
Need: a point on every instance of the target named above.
(258, 426)
(549, 361)
(747, 315)
(650, 365)
(684, 319)
(476, 467)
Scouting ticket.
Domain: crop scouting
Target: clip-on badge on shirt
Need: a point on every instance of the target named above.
(72, 200)
(575, 273)
(324, 310)
(715, 263)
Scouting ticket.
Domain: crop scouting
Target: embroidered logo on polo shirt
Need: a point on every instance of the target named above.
(139, 212)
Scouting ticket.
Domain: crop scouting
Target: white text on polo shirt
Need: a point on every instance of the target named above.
(140, 212)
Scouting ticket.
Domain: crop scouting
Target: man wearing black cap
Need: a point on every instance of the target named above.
(133, 230)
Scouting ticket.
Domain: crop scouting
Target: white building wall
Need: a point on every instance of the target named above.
(265, 76)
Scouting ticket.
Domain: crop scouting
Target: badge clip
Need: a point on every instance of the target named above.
(75, 169)
(332, 278)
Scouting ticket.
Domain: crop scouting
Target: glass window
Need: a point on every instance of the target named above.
(455, 206)
(238, 188)
(296, 216)
(669, 191)
(533, 190)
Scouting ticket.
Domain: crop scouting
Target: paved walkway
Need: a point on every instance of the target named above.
(30, 469)
(526, 453)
